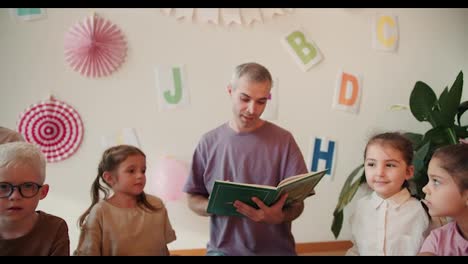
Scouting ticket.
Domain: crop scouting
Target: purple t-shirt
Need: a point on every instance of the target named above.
(265, 156)
(446, 241)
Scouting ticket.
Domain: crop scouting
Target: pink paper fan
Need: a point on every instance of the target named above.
(95, 47)
(55, 127)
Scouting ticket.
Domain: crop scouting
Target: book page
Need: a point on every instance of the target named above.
(297, 178)
(250, 185)
(297, 191)
(301, 186)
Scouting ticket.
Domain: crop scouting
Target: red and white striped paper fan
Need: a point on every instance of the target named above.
(54, 126)
(95, 47)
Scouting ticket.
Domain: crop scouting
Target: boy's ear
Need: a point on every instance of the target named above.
(43, 191)
(229, 89)
(409, 172)
(107, 176)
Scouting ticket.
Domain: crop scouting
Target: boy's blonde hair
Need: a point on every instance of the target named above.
(8, 135)
(16, 154)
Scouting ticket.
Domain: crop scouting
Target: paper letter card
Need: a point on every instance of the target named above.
(172, 87)
(385, 33)
(347, 92)
(303, 50)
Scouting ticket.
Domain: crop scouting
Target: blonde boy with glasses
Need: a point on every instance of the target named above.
(23, 230)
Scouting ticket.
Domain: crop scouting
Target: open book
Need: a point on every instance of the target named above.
(225, 193)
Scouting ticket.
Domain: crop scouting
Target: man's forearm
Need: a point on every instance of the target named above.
(198, 203)
(293, 211)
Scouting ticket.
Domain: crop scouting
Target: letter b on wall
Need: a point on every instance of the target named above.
(303, 50)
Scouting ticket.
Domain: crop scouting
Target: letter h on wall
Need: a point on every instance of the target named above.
(326, 156)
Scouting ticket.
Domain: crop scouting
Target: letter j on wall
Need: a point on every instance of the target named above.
(172, 87)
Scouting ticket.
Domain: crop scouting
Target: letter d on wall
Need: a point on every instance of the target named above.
(347, 92)
(303, 50)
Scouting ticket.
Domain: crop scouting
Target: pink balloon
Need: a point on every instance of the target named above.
(169, 178)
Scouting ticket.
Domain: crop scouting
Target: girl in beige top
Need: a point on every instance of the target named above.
(129, 222)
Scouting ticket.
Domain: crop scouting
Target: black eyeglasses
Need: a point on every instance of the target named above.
(26, 189)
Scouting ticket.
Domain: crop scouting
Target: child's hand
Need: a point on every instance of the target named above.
(463, 141)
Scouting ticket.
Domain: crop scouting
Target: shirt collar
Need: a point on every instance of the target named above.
(395, 201)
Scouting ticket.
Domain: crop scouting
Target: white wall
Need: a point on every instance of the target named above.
(433, 48)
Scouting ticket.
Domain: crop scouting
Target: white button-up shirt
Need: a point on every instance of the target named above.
(385, 227)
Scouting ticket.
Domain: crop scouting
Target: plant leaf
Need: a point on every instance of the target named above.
(452, 135)
(420, 156)
(422, 101)
(349, 180)
(443, 98)
(461, 131)
(449, 102)
(337, 224)
(345, 199)
(416, 139)
(438, 136)
(348, 190)
(461, 109)
(348, 194)
(418, 184)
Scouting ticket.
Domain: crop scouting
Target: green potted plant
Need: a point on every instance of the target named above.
(443, 114)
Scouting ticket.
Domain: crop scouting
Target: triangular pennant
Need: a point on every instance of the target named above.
(270, 12)
(251, 14)
(166, 11)
(208, 15)
(231, 15)
(183, 12)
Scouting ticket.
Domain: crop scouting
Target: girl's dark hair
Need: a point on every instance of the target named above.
(110, 161)
(397, 141)
(454, 160)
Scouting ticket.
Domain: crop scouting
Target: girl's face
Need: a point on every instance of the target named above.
(130, 176)
(386, 170)
(443, 197)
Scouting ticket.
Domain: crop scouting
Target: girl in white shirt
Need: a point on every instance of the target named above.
(388, 221)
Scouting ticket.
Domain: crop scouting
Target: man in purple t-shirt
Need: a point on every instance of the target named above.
(247, 149)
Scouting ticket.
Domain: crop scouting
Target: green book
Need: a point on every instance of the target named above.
(225, 193)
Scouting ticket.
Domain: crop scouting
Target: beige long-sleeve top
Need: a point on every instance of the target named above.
(114, 231)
